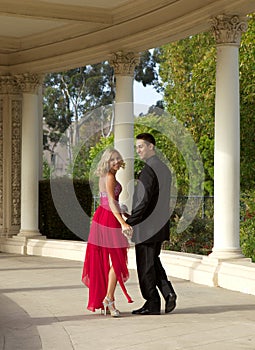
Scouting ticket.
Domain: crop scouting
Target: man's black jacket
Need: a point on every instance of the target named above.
(151, 203)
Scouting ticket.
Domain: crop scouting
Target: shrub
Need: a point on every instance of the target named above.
(196, 239)
(50, 223)
(247, 225)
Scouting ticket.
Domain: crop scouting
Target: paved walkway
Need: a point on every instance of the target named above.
(43, 306)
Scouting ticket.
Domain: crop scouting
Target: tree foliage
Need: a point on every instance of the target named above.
(187, 70)
(146, 72)
(247, 106)
(69, 95)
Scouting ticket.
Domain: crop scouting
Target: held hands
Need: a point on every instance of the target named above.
(127, 231)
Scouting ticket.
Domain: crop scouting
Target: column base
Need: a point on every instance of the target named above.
(225, 254)
(30, 234)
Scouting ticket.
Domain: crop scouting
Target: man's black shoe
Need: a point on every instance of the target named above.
(145, 311)
(138, 311)
(170, 303)
(148, 309)
(149, 312)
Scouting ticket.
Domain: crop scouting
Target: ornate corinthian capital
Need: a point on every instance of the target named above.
(29, 82)
(8, 85)
(228, 29)
(124, 62)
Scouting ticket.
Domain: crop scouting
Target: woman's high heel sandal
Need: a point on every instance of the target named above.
(108, 303)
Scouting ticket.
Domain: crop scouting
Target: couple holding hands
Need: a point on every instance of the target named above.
(105, 262)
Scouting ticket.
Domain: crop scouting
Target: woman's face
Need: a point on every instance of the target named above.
(115, 161)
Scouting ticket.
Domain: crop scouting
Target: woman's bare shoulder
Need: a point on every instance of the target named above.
(110, 182)
(110, 176)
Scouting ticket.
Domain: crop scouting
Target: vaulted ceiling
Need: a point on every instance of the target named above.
(53, 35)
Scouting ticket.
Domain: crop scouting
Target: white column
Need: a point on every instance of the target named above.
(124, 65)
(227, 32)
(30, 156)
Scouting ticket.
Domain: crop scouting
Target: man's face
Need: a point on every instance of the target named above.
(144, 149)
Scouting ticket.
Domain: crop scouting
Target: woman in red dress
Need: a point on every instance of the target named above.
(105, 261)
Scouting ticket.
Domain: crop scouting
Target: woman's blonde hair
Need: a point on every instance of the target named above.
(104, 164)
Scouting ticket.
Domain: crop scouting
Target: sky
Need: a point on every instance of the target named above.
(144, 97)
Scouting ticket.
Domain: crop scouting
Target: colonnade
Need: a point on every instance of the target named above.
(20, 129)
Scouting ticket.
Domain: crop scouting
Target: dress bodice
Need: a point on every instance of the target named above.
(117, 191)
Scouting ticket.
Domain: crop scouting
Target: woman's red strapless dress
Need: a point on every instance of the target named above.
(106, 245)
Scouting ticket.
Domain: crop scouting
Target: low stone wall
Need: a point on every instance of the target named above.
(236, 274)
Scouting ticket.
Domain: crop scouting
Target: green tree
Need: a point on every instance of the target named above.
(247, 106)
(146, 72)
(69, 95)
(187, 70)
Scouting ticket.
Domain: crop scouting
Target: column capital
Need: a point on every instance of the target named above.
(124, 63)
(29, 82)
(8, 84)
(228, 29)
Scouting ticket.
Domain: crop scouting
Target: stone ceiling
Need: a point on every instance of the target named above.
(53, 35)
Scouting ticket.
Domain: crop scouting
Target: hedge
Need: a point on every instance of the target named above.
(71, 221)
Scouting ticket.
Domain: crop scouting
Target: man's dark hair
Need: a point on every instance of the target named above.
(146, 137)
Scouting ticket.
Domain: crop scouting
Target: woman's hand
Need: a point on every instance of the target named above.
(127, 230)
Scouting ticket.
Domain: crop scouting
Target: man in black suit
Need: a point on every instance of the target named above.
(150, 221)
